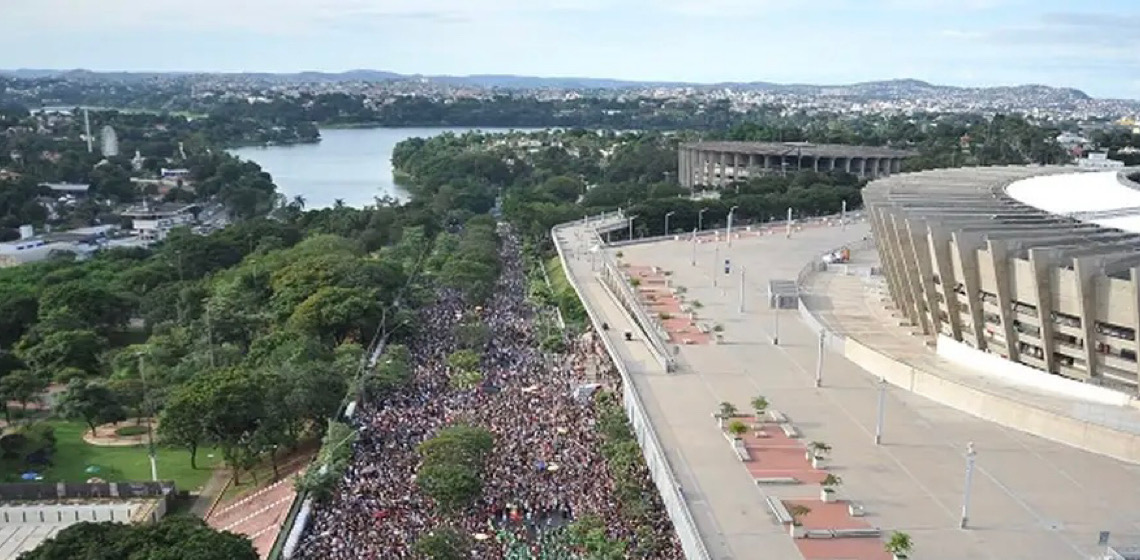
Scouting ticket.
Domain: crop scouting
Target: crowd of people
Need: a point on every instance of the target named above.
(545, 470)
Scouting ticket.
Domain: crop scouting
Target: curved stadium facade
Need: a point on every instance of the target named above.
(1040, 265)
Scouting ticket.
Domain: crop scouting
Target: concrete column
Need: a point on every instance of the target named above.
(896, 165)
(1087, 269)
(831, 164)
(1135, 279)
(1042, 262)
(681, 155)
(872, 167)
(815, 164)
(939, 241)
(919, 246)
(880, 217)
(999, 261)
(736, 167)
(967, 246)
(909, 271)
(720, 166)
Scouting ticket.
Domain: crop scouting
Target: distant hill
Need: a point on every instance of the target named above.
(888, 89)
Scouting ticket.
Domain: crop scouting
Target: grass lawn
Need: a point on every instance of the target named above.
(116, 464)
(558, 279)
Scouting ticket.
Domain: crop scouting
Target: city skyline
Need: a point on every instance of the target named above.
(968, 43)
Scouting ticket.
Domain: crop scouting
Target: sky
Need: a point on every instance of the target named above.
(1090, 45)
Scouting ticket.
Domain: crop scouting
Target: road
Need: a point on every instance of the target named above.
(1031, 498)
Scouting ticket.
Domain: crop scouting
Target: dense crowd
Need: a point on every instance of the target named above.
(546, 467)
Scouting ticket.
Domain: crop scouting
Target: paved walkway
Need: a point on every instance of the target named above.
(1031, 498)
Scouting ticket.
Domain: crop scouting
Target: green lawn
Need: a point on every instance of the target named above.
(558, 279)
(116, 464)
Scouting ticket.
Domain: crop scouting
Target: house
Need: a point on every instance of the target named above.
(153, 222)
(1099, 160)
(66, 189)
(31, 247)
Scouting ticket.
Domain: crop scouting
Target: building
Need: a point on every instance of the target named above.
(1037, 265)
(31, 247)
(721, 163)
(109, 142)
(1099, 160)
(153, 222)
(175, 173)
(33, 512)
(67, 189)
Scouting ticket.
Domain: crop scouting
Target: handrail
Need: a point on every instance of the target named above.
(652, 450)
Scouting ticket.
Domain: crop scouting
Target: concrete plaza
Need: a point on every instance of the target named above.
(1031, 498)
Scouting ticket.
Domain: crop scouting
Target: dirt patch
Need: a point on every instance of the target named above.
(121, 434)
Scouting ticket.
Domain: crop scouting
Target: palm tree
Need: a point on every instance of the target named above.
(900, 545)
(299, 202)
(727, 410)
(737, 429)
(338, 203)
(759, 404)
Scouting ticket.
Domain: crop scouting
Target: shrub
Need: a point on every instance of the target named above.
(665, 316)
(130, 431)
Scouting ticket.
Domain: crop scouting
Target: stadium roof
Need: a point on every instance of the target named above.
(1071, 213)
(1103, 198)
(798, 149)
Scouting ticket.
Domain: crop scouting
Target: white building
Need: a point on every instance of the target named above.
(1099, 160)
(153, 223)
(109, 142)
(30, 247)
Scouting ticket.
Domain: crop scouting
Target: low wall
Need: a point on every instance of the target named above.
(999, 409)
(1020, 374)
(1095, 438)
(654, 454)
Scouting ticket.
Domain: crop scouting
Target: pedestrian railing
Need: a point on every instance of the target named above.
(654, 453)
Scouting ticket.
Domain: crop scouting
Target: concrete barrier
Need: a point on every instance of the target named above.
(1020, 374)
(661, 473)
(1000, 409)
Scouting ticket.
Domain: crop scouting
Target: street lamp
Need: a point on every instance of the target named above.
(701, 218)
(971, 454)
(728, 230)
(149, 420)
(667, 214)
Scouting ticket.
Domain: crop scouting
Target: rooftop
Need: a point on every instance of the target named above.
(140, 210)
(798, 149)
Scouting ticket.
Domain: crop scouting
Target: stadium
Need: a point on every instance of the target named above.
(1037, 265)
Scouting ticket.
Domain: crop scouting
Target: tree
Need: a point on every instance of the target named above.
(900, 544)
(181, 422)
(759, 404)
(173, 538)
(589, 534)
(453, 486)
(91, 303)
(232, 406)
(91, 402)
(58, 350)
(464, 360)
(443, 543)
(21, 386)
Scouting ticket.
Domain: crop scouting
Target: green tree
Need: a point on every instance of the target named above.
(58, 350)
(21, 386)
(181, 422)
(443, 543)
(91, 402)
(174, 538)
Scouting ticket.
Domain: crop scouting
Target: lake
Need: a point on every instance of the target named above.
(351, 164)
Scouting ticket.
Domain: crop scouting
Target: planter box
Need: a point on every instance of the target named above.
(827, 496)
(818, 463)
(796, 531)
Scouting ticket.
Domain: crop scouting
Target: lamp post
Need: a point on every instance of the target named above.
(882, 408)
(149, 420)
(701, 219)
(971, 454)
(742, 289)
(694, 243)
(776, 329)
(819, 360)
(788, 223)
(716, 260)
(843, 215)
(667, 214)
(728, 230)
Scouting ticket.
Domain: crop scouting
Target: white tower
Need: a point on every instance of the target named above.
(109, 142)
(87, 128)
